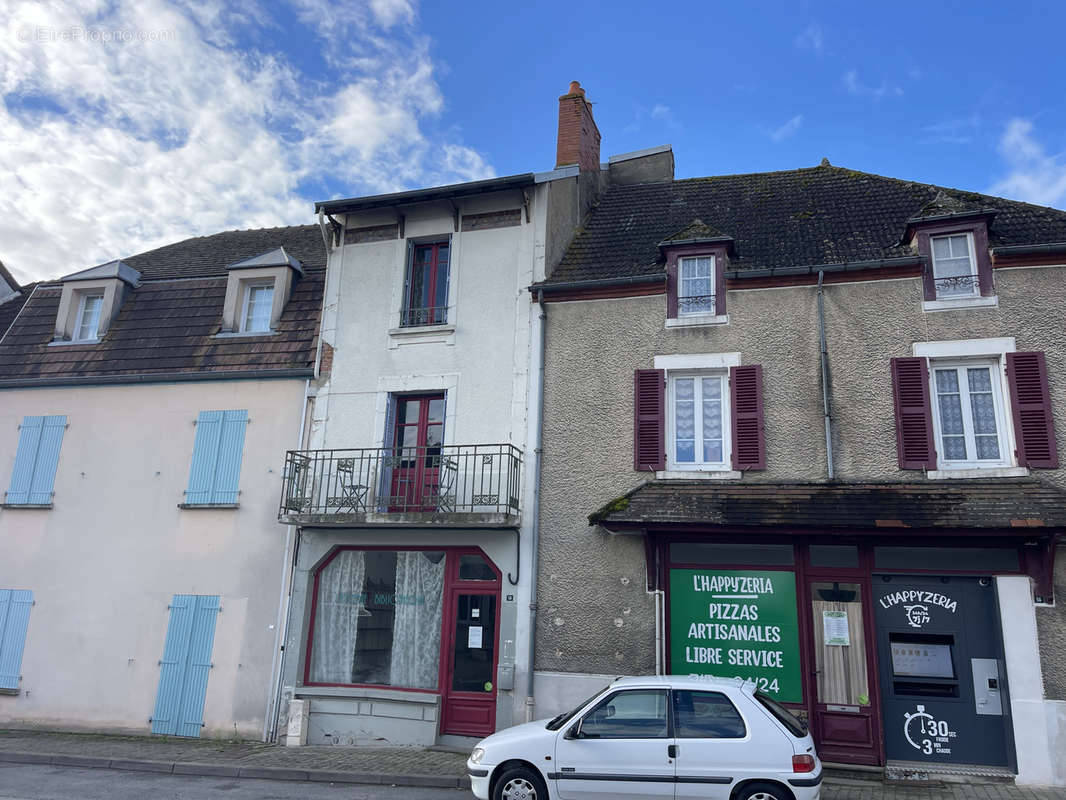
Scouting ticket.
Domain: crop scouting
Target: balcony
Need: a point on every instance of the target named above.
(458, 486)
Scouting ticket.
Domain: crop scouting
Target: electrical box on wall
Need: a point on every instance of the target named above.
(505, 677)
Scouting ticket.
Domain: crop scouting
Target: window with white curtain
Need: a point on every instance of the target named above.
(698, 421)
(87, 324)
(695, 285)
(377, 619)
(969, 415)
(954, 268)
(258, 303)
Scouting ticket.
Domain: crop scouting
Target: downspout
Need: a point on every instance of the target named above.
(534, 538)
(825, 381)
(327, 237)
(660, 622)
(277, 664)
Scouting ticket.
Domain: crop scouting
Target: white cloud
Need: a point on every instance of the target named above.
(1034, 176)
(786, 130)
(856, 87)
(812, 38)
(127, 125)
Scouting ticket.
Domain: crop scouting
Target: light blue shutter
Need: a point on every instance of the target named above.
(15, 607)
(202, 640)
(33, 478)
(179, 705)
(231, 447)
(216, 457)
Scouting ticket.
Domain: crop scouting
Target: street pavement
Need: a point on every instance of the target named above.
(67, 766)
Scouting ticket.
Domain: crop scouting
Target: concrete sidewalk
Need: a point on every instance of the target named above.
(405, 766)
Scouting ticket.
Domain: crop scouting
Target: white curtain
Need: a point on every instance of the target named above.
(416, 628)
(341, 601)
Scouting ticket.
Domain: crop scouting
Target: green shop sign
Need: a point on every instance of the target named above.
(737, 623)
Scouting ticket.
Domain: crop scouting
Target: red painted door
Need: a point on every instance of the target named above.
(418, 436)
(469, 680)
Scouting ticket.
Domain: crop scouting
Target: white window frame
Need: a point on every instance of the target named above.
(681, 281)
(976, 290)
(995, 367)
(246, 302)
(83, 302)
(671, 428)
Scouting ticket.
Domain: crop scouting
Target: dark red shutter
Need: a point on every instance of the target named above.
(1034, 428)
(649, 417)
(745, 392)
(914, 418)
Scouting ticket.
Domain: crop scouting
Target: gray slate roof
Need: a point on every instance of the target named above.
(804, 217)
(1001, 504)
(167, 325)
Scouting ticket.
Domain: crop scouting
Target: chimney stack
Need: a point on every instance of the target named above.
(579, 138)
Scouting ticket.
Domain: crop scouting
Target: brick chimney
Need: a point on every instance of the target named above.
(579, 138)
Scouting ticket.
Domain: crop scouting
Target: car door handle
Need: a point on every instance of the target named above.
(671, 750)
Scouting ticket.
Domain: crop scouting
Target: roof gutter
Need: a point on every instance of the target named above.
(633, 280)
(354, 204)
(159, 377)
(814, 269)
(1026, 249)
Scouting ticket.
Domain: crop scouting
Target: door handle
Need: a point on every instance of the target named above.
(671, 750)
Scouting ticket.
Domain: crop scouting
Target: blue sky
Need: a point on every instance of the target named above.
(126, 125)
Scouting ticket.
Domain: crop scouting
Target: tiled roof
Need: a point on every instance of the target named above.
(168, 325)
(10, 308)
(697, 229)
(805, 217)
(1009, 503)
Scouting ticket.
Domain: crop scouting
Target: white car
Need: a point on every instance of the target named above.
(669, 736)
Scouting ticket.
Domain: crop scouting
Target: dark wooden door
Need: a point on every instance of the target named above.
(418, 436)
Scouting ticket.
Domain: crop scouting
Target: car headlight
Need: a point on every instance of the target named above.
(476, 755)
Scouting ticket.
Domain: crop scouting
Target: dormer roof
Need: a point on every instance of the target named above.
(696, 232)
(272, 258)
(111, 270)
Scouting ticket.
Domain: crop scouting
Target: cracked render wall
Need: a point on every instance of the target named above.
(595, 614)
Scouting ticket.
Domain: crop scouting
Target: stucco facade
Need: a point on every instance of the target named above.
(105, 561)
(597, 615)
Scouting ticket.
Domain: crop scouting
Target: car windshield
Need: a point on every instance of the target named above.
(795, 725)
(565, 717)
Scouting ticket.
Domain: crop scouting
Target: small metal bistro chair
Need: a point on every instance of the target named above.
(352, 496)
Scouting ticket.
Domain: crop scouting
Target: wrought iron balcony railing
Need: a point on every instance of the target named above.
(695, 304)
(956, 286)
(331, 485)
(430, 315)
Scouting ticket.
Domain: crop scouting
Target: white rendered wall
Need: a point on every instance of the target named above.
(106, 560)
(1033, 717)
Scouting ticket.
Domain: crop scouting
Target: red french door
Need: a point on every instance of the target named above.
(417, 438)
(427, 290)
(469, 654)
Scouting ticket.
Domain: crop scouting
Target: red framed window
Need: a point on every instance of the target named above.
(426, 286)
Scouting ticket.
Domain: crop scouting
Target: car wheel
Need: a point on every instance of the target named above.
(761, 791)
(520, 783)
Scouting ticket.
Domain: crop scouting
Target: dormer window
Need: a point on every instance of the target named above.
(258, 303)
(954, 266)
(257, 290)
(695, 285)
(87, 323)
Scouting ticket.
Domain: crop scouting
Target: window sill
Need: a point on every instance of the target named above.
(371, 693)
(26, 505)
(961, 302)
(242, 334)
(188, 506)
(698, 475)
(979, 472)
(68, 342)
(422, 334)
(697, 320)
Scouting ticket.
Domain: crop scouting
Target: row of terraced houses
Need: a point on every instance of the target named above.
(446, 460)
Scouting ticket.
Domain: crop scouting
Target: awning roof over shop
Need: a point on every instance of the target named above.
(1019, 504)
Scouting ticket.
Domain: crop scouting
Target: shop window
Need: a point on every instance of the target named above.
(954, 559)
(377, 619)
(473, 567)
(776, 555)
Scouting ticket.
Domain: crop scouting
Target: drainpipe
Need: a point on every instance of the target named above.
(825, 381)
(534, 538)
(277, 665)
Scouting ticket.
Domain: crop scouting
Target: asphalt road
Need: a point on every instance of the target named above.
(37, 782)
